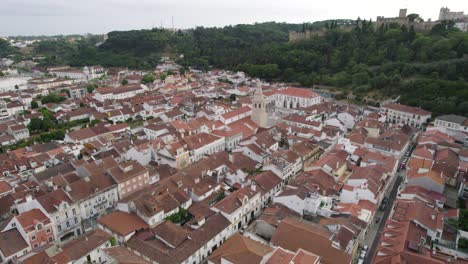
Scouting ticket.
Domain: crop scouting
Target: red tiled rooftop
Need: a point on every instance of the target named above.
(122, 223)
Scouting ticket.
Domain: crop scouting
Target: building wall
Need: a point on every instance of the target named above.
(66, 221)
(97, 205)
(292, 202)
(357, 195)
(42, 237)
(215, 146)
(143, 157)
(411, 119)
(133, 185)
(287, 101)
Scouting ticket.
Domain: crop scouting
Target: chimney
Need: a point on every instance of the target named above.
(253, 186)
(28, 198)
(231, 157)
(433, 216)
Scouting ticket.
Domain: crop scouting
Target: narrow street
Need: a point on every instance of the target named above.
(373, 233)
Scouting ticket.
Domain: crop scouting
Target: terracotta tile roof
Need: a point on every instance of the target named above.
(296, 118)
(50, 201)
(171, 233)
(200, 210)
(12, 242)
(154, 200)
(122, 255)
(447, 156)
(236, 112)
(331, 160)
(318, 180)
(127, 170)
(151, 246)
(391, 139)
(246, 126)
(295, 234)
(436, 135)
(28, 220)
(290, 190)
(303, 149)
(275, 213)
(122, 223)
(83, 245)
(234, 201)
(4, 187)
(373, 157)
(267, 180)
(240, 249)
(399, 243)
(298, 92)
(362, 210)
(436, 177)
(281, 256)
(418, 211)
(370, 123)
(426, 195)
(242, 161)
(374, 174)
(60, 169)
(82, 189)
(304, 257)
(424, 151)
(344, 236)
(199, 140)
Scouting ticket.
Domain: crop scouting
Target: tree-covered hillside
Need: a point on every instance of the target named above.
(6, 49)
(430, 70)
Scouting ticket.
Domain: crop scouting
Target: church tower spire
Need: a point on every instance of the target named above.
(259, 105)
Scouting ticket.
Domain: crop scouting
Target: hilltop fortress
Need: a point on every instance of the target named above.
(419, 25)
(460, 19)
(403, 20)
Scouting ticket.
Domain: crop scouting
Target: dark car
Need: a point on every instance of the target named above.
(383, 204)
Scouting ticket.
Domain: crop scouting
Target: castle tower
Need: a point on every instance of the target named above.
(403, 13)
(443, 13)
(259, 112)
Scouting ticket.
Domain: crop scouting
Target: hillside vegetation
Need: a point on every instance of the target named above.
(430, 71)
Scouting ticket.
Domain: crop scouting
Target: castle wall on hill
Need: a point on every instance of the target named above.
(308, 34)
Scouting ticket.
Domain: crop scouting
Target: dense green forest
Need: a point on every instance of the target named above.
(6, 49)
(426, 70)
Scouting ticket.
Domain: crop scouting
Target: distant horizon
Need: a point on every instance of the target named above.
(66, 17)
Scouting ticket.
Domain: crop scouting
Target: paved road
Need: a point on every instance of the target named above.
(375, 229)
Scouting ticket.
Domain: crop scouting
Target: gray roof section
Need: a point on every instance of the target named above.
(452, 118)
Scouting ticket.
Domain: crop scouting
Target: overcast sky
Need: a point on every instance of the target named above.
(49, 17)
